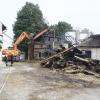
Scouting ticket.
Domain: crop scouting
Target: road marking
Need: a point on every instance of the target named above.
(6, 79)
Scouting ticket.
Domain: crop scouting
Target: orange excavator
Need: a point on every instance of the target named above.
(23, 35)
(14, 50)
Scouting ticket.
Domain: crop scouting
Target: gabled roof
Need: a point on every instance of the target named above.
(3, 27)
(93, 41)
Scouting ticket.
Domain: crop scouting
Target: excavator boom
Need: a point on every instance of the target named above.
(19, 39)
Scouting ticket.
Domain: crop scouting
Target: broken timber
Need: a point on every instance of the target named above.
(81, 59)
(39, 34)
(66, 50)
(89, 67)
(87, 72)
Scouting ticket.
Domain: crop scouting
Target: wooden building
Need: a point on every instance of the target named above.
(45, 45)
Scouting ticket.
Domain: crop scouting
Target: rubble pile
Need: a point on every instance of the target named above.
(72, 61)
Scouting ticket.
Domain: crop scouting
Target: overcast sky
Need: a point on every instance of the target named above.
(79, 13)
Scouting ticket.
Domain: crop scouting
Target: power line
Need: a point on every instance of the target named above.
(8, 36)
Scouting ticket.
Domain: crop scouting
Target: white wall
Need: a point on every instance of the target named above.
(0, 56)
(65, 45)
(0, 38)
(0, 28)
(95, 52)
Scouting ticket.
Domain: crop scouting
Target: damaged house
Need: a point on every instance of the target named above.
(45, 45)
(91, 46)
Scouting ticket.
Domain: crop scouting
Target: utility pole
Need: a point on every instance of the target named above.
(54, 39)
(77, 36)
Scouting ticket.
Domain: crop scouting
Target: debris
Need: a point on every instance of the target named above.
(58, 54)
(69, 61)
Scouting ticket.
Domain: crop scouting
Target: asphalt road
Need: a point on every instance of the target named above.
(27, 81)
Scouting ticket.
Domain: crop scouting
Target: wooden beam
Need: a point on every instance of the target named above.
(66, 50)
(81, 59)
(39, 34)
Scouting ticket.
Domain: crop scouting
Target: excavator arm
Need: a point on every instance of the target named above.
(19, 39)
(24, 35)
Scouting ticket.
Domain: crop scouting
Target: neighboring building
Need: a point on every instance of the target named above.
(2, 28)
(45, 45)
(91, 46)
(0, 34)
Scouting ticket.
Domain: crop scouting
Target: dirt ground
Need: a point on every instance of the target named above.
(29, 81)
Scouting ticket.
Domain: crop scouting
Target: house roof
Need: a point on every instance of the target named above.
(3, 27)
(93, 41)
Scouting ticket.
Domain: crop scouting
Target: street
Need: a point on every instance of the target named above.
(28, 81)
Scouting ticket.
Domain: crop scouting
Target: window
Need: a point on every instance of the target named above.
(88, 53)
(49, 39)
(49, 46)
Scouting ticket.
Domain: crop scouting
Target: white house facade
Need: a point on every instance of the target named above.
(92, 46)
(2, 29)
